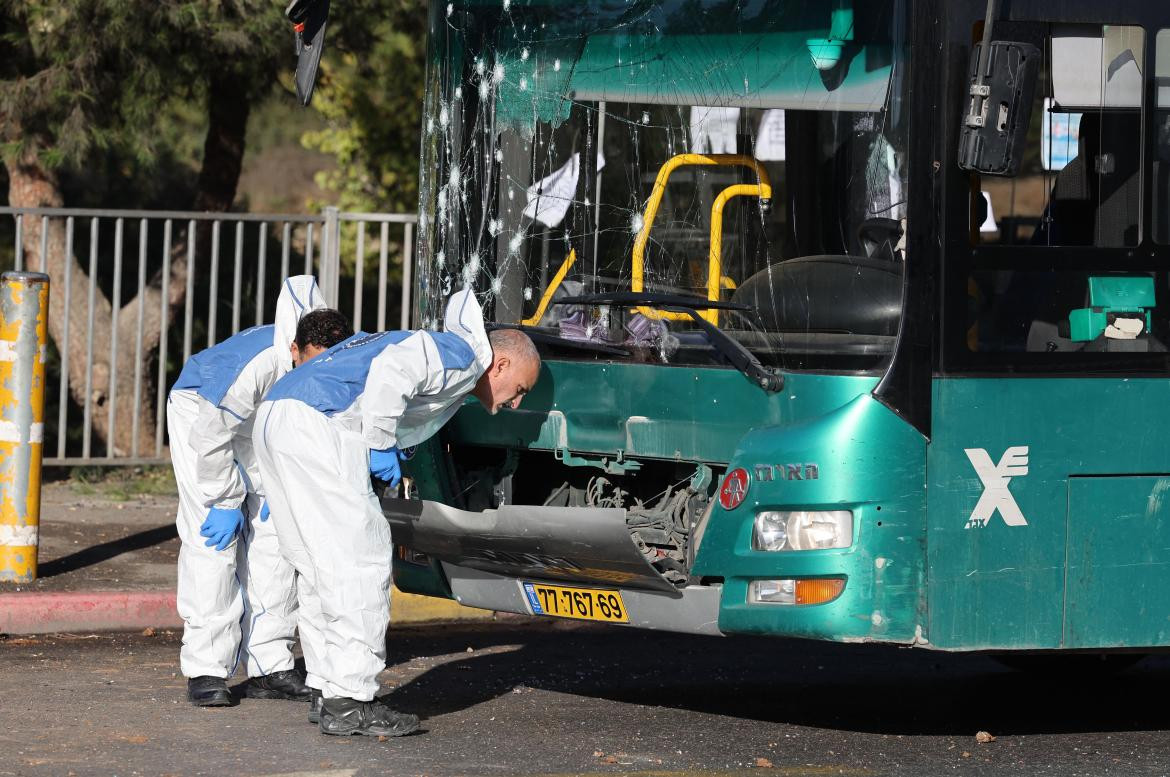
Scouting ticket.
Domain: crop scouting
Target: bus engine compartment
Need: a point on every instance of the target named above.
(531, 513)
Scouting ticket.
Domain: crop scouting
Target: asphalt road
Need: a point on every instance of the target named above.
(526, 697)
(100, 542)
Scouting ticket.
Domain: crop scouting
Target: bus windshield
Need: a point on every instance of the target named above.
(752, 153)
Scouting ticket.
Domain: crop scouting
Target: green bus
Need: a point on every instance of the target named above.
(853, 316)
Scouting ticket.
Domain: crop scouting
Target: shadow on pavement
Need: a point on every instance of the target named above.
(862, 688)
(107, 550)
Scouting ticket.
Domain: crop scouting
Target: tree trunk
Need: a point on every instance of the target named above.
(223, 149)
(32, 185)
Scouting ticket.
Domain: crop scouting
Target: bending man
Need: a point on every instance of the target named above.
(318, 436)
(225, 540)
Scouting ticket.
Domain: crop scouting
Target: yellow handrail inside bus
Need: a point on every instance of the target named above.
(715, 261)
(715, 277)
(552, 287)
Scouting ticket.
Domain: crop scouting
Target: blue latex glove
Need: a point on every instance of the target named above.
(384, 466)
(264, 511)
(221, 525)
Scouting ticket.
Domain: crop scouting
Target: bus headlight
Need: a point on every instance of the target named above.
(802, 530)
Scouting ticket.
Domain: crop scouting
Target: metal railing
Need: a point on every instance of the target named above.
(94, 246)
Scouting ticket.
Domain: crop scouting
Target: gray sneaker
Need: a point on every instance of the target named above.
(344, 717)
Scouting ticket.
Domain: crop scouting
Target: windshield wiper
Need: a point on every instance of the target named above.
(734, 351)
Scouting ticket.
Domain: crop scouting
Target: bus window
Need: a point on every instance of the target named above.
(1042, 312)
(1080, 185)
(1080, 179)
(1160, 172)
(594, 151)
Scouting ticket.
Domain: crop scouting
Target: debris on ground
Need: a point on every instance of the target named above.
(983, 737)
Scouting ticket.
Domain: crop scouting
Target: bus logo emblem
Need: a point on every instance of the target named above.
(734, 489)
(995, 479)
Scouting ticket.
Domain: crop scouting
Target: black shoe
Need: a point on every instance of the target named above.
(207, 691)
(343, 717)
(315, 707)
(289, 684)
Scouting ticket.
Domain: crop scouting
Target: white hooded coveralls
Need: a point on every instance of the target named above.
(209, 413)
(313, 437)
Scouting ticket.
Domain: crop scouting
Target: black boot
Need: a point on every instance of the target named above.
(315, 707)
(342, 717)
(289, 684)
(207, 691)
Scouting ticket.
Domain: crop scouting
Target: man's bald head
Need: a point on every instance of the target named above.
(513, 372)
(516, 344)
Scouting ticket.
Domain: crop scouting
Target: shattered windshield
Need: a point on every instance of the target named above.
(752, 153)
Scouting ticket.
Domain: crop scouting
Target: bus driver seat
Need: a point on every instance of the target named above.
(1094, 202)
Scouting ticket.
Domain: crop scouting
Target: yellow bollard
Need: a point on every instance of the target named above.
(24, 311)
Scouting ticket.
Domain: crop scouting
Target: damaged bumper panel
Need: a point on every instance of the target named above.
(565, 544)
(693, 610)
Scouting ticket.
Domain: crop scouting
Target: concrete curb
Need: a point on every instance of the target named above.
(46, 612)
(412, 608)
(37, 612)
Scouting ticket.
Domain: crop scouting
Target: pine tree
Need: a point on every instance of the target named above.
(80, 76)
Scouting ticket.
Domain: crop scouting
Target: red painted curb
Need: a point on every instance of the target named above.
(37, 612)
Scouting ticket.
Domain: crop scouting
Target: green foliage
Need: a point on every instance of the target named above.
(86, 76)
(64, 81)
(278, 120)
(112, 93)
(116, 87)
(370, 93)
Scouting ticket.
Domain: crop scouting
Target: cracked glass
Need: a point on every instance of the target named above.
(752, 153)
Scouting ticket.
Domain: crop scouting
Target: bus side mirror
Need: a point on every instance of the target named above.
(308, 18)
(999, 108)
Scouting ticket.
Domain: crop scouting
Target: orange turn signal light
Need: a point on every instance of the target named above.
(819, 590)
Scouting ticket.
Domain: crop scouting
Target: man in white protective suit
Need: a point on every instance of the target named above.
(235, 592)
(320, 434)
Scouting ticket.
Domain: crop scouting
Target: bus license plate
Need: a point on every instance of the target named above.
(586, 604)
